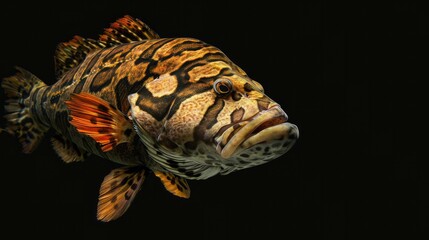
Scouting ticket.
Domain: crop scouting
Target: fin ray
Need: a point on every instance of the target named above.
(18, 110)
(117, 191)
(125, 30)
(174, 184)
(70, 54)
(67, 150)
(98, 119)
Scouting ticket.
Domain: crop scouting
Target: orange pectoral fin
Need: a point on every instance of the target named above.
(98, 119)
(174, 184)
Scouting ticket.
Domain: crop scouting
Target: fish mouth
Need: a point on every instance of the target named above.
(267, 125)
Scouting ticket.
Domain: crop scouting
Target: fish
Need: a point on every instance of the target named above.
(177, 108)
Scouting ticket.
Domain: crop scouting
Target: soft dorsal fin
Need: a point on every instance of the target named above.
(125, 30)
(70, 54)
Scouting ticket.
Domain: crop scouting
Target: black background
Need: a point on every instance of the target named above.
(350, 76)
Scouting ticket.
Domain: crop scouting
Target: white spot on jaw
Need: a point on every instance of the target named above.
(162, 86)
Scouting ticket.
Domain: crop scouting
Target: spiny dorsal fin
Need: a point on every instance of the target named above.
(125, 30)
(117, 191)
(70, 54)
(174, 184)
(98, 119)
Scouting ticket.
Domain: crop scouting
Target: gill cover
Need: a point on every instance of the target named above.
(162, 150)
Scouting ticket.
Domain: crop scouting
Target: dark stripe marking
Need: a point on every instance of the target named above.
(102, 79)
(150, 51)
(185, 93)
(122, 90)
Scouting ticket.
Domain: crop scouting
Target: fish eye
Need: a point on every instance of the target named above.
(222, 86)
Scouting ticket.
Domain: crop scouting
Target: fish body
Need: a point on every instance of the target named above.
(177, 107)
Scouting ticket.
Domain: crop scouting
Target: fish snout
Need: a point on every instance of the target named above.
(293, 132)
(291, 137)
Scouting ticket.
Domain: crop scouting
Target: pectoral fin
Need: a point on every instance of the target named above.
(98, 119)
(174, 184)
(117, 191)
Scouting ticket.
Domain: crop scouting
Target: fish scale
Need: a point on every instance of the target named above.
(177, 107)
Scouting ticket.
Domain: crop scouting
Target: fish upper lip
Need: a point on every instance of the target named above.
(252, 124)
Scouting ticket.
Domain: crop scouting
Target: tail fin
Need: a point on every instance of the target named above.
(20, 122)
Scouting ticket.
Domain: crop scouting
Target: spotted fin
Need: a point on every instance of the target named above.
(20, 111)
(70, 54)
(98, 119)
(67, 150)
(117, 191)
(174, 184)
(125, 30)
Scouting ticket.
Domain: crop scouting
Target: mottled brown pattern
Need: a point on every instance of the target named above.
(137, 73)
(133, 72)
(162, 86)
(174, 62)
(175, 106)
(175, 46)
(210, 120)
(138, 49)
(153, 126)
(237, 115)
(119, 54)
(208, 70)
(103, 78)
(188, 117)
(102, 71)
(83, 66)
(172, 80)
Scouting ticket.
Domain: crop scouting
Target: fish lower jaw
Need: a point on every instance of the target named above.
(256, 130)
(277, 132)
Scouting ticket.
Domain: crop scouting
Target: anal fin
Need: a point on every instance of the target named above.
(117, 191)
(67, 150)
(98, 119)
(174, 184)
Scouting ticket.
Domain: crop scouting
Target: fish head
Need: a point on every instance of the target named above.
(210, 115)
(248, 128)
